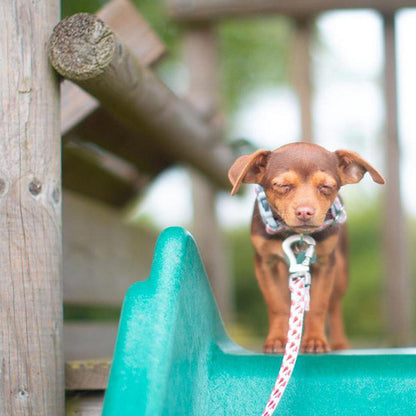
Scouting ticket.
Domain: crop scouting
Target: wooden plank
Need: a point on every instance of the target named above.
(204, 10)
(88, 340)
(97, 172)
(124, 18)
(202, 60)
(32, 369)
(301, 73)
(84, 404)
(103, 66)
(99, 175)
(103, 256)
(76, 104)
(109, 134)
(399, 285)
(87, 374)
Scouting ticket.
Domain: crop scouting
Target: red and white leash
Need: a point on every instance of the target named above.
(299, 284)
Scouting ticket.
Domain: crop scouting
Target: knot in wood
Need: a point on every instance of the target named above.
(3, 186)
(81, 47)
(35, 187)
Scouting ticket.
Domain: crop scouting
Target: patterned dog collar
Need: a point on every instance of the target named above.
(273, 226)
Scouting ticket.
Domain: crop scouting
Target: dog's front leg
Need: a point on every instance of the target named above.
(323, 276)
(272, 276)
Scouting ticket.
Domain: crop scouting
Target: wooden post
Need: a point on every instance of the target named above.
(32, 381)
(86, 51)
(201, 57)
(398, 284)
(301, 70)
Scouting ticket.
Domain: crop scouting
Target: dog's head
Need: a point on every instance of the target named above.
(301, 180)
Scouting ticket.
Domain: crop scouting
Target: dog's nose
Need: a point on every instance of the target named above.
(304, 213)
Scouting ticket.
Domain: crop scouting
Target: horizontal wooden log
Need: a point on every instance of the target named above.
(85, 50)
(203, 10)
(86, 340)
(99, 175)
(87, 374)
(84, 404)
(103, 256)
(124, 18)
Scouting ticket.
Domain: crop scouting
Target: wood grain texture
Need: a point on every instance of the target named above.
(203, 10)
(87, 374)
(32, 367)
(124, 18)
(84, 404)
(86, 51)
(103, 256)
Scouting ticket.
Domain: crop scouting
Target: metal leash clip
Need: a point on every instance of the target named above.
(299, 269)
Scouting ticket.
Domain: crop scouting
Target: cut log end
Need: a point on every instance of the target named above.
(81, 47)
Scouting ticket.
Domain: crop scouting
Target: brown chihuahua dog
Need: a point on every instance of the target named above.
(298, 193)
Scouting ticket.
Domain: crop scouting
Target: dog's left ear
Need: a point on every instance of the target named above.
(248, 169)
(352, 167)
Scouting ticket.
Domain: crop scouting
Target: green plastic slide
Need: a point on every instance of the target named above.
(173, 357)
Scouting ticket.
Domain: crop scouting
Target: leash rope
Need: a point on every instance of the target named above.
(299, 286)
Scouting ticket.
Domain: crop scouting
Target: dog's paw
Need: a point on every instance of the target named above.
(274, 345)
(315, 345)
(340, 346)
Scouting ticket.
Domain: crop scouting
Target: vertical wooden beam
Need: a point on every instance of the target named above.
(202, 60)
(31, 355)
(301, 73)
(201, 56)
(398, 284)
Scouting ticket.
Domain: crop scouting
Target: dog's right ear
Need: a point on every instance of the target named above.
(248, 169)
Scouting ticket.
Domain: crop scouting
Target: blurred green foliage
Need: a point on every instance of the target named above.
(70, 7)
(91, 312)
(253, 54)
(363, 303)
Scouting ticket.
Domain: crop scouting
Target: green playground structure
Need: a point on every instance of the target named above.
(173, 357)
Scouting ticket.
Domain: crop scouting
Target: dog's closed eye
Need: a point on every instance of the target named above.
(326, 189)
(283, 188)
